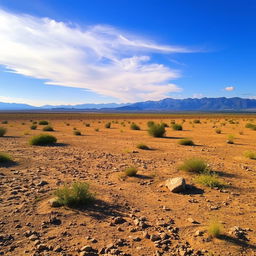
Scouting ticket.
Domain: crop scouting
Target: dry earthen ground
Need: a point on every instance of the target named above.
(29, 226)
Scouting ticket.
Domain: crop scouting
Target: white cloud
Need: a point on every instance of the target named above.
(198, 95)
(230, 88)
(98, 58)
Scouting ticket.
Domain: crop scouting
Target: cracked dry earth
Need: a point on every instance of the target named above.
(131, 216)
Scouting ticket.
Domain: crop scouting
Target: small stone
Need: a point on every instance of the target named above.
(176, 185)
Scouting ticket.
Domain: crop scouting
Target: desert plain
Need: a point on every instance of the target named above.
(130, 215)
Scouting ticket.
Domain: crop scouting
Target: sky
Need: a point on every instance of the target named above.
(73, 52)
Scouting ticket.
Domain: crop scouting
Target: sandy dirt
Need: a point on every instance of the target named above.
(133, 215)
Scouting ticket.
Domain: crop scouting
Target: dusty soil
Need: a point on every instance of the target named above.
(134, 215)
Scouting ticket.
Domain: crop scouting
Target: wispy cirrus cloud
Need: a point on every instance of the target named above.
(230, 88)
(97, 58)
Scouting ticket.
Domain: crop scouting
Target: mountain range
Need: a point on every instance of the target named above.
(165, 105)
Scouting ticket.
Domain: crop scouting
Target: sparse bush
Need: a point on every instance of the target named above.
(87, 125)
(130, 171)
(230, 139)
(77, 133)
(5, 122)
(250, 126)
(76, 195)
(177, 127)
(48, 128)
(143, 146)
(97, 129)
(241, 133)
(33, 127)
(218, 131)
(209, 180)
(5, 158)
(194, 165)
(165, 124)
(43, 140)
(157, 130)
(214, 229)
(108, 125)
(2, 131)
(43, 122)
(134, 126)
(150, 123)
(197, 121)
(250, 154)
(186, 142)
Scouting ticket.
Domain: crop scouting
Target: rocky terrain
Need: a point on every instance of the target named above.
(131, 215)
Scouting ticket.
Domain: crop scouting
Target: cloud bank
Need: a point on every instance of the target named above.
(230, 88)
(98, 58)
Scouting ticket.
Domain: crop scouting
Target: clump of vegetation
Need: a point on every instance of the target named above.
(218, 131)
(215, 229)
(131, 171)
(241, 133)
(250, 126)
(250, 154)
(48, 128)
(76, 195)
(134, 126)
(165, 124)
(33, 127)
(194, 165)
(5, 158)
(150, 123)
(108, 125)
(43, 122)
(2, 131)
(97, 129)
(157, 130)
(186, 142)
(230, 139)
(5, 122)
(77, 133)
(87, 125)
(209, 180)
(43, 140)
(177, 127)
(143, 146)
(197, 121)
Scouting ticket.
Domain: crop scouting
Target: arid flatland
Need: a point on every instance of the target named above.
(130, 215)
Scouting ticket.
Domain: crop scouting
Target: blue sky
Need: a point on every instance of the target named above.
(71, 52)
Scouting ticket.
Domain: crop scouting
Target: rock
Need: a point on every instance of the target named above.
(118, 220)
(176, 185)
(199, 233)
(42, 183)
(192, 221)
(54, 202)
(155, 237)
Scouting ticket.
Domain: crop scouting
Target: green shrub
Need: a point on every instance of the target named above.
(77, 133)
(143, 146)
(186, 142)
(194, 165)
(42, 140)
(97, 129)
(230, 139)
(5, 122)
(5, 158)
(2, 131)
(218, 131)
(157, 130)
(134, 126)
(108, 125)
(87, 125)
(43, 122)
(250, 126)
(165, 124)
(177, 127)
(214, 229)
(76, 195)
(209, 180)
(48, 128)
(250, 154)
(197, 121)
(130, 171)
(150, 123)
(33, 127)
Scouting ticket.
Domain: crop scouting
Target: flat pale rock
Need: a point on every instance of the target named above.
(176, 185)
